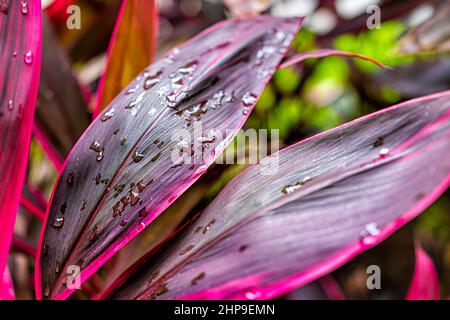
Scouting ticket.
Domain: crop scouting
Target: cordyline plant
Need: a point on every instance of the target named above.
(328, 199)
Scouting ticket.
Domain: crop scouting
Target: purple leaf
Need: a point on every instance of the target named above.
(120, 175)
(322, 53)
(6, 286)
(425, 282)
(318, 204)
(20, 56)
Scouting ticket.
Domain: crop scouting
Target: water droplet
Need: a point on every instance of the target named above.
(107, 115)
(58, 222)
(141, 186)
(28, 57)
(151, 81)
(47, 290)
(186, 250)
(183, 145)
(137, 156)
(99, 156)
(265, 52)
(10, 104)
(83, 205)
(132, 90)
(198, 229)
(123, 223)
(97, 147)
(97, 178)
(24, 7)
(15, 54)
(384, 152)
(197, 278)
(206, 139)
(248, 99)
(293, 187)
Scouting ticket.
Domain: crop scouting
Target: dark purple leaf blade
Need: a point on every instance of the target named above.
(120, 176)
(20, 54)
(425, 282)
(332, 197)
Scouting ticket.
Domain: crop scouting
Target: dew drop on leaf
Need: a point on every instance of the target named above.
(24, 7)
(58, 222)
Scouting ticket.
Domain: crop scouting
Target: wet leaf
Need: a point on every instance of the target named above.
(306, 210)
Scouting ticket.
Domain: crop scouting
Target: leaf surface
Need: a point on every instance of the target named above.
(132, 48)
(20, 56)
(126, 169)
(305, 211)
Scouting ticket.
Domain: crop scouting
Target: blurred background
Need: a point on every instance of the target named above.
(413, 37)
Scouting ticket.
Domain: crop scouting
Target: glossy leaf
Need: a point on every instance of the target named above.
(6, 286)
(425, 282)
(322, 53)
(61, 113)
(132, 48)
(20, 56)
(305, 211)
(121, 174)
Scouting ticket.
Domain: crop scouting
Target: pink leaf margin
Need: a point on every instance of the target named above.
(425, 282)
(344, 255)
(323, 53)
